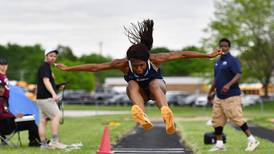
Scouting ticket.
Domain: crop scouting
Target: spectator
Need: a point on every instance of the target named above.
(227, 104)
(7, 123)
(47, 100)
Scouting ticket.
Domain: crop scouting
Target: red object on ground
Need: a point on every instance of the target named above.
(105, 143)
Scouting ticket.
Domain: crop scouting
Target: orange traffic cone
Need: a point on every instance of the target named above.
(105, 144)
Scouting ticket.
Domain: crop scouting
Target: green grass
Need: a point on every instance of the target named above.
(94, 107)
(87, 130)
(263, 122)
(152, 110)
(260, 117)
(193, 132)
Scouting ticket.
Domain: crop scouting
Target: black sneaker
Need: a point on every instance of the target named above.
(35, 143)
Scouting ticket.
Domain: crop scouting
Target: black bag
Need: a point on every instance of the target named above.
(210, 138)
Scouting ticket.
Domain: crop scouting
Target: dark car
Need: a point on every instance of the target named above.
(102, 94)
(76, 95)
(173, 97)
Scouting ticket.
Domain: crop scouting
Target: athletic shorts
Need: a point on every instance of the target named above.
(227, 109)
(48, 108)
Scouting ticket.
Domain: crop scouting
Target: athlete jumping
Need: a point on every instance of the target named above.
(142, 72)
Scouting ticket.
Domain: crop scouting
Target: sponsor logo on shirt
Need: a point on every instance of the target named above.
(142, 79)
(224, 63)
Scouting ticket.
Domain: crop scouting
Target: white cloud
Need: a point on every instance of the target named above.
(82, 24)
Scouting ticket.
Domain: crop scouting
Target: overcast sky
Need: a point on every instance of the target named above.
(82, 24)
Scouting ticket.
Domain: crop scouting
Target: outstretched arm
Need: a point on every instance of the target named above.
(163, 57)
(115, 64)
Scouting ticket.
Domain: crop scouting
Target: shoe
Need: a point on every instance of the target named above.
(251, 146)
(4, 144)
(167, 115)
(57, 145)
(217, 148)
(34, 144)
(46, 146)
(140, 117)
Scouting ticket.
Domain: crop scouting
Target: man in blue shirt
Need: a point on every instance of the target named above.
(227, 104)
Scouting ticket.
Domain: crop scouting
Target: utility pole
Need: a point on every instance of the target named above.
(100, 47)
(22, 73)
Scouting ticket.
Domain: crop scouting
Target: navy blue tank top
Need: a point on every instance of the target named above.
(152, 72)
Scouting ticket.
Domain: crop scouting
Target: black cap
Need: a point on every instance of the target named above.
(3, 61)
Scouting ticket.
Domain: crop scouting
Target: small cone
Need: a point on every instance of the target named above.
(105, 144)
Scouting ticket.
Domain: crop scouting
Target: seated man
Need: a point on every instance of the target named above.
(8, 125)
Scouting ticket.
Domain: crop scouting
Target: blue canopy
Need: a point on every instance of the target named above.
(20, 103)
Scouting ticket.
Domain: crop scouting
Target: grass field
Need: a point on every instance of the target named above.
(193, 132)
(88, 130)
(252, 113)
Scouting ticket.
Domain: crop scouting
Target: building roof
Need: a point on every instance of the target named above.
(169, 80)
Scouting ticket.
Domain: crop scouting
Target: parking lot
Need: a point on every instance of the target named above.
(177, 98)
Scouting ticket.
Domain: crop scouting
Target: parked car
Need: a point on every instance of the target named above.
(102, 94)
(251, 99)
(119, 99)
(174, 96)
(189, 100)
(76, 95)
(201, 100)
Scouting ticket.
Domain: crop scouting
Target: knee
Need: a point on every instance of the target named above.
(132, 86)
(218, 123)
(238, 121)
(153, 87)
(43, 121)
(58, 115)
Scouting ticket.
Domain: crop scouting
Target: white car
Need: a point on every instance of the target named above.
(190, 99)
(201, 101)
(251, 99)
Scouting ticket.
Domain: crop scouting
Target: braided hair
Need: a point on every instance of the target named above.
(140, 36)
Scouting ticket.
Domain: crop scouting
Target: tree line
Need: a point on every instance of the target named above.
(24, 62)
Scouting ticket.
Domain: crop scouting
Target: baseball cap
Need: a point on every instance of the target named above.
(49, 50)
(3, 61)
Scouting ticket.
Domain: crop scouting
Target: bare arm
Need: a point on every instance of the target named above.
(50, 88)
(234, 80)
(212, 88)
(115, 64)
(163, 57)
(211, 92)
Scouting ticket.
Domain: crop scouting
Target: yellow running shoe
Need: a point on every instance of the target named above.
(168, 119)
(140, 117)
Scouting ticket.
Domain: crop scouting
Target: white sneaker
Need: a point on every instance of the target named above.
(251, 146)
(217, 148)
(57, 145)
(44, 146)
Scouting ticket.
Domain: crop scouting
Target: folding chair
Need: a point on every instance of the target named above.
(7, 139)
(10, 132)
